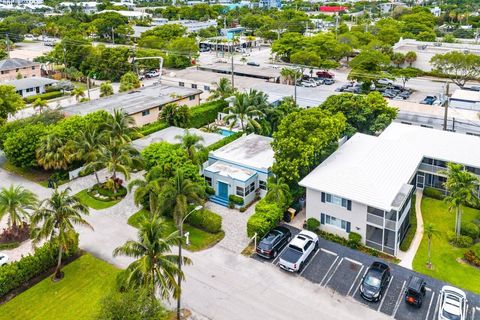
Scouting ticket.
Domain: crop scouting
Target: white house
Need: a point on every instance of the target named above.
(240, 168)
(31, 86)
(367, 184)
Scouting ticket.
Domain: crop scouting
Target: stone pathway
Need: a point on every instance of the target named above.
(408, 256)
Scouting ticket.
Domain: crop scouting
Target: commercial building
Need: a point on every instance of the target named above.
(240, 168)
(191, 25)
(130, 15)
(465, 99)
(21, 2)
(143, 104)
(31, 86)
(269, 4)
(12, 69)
(366, 185)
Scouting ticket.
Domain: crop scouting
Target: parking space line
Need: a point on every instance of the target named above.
(308, 262)
(358, 285)
(386, 291)
(473, 312)
(326, 273)
(329, 252)
(335, 270)
(354, 281)
(436, 307)
(428, 289)
(353, 261)
(430, 305)
(399, 299)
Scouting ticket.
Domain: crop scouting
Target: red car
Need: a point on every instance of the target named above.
(325, 75)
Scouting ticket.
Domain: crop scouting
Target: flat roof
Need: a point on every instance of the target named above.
(134, 101)
(466, 95)
(26, 83)
(252, 151)
(230, 171)
(374, 170)
(242, 70)
(170, 135)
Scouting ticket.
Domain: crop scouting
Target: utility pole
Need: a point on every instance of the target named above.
(336, 26)
(88, 87)
(295, 86)
(445, 105)
(233, 76)
(113, 36)
(64, 56)
(7, 43)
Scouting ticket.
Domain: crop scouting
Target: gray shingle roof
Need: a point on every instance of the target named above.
(9, 64)
(22, 84)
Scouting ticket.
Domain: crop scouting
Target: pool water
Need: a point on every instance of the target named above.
(226, 133)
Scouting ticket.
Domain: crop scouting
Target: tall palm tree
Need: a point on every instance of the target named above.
(106, 89)
(39, 104)
(278, 192)
(78, 93)
(430, 231)
(191, 143)
(120, 126)
(53, 152)
(155, 268)
(86, 147)
(462, 188)
(16, 201)
(55, 219)
(224, 90)
(244, 111)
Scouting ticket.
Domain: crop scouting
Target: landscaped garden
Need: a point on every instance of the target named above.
(102, 196)
(448, 262)
(77, 296)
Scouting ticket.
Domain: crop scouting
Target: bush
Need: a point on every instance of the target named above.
(354, 240)
(236, 199)
(44, 96)
(9, 246)
(463, 242)
(20, 145)
(471, 257)
(242, 209)
(476, 249)
(152, 127)
(205, 113)
(470, 229)
(433, 193)
(206, 220)
(451, 236)
(19, 272)
(312, 224)
(209, 190)
(267, 216)
(407, 240)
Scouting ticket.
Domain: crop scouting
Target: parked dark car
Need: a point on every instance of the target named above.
(273, 242)
(253, 64)
(325, 75)
(415, 291)
(375, 281)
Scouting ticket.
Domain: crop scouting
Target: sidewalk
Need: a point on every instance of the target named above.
(408, 256)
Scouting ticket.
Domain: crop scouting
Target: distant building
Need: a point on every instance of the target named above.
(130, 15)
(332, 9)
(436, 11)
(269, 4)
(86, 6)
(230, 33)
(21, 2)
(31, 86)
(465, 99)
(191, 25)
(11, 69)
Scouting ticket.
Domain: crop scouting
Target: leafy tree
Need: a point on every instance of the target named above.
(159, 37)
(55, 219)
(430, 231)
(106, 89)
(368, 114)
(52, 152)
(108, 62)
(10, 101)
(405, 74)
(244, 110)
(410, 57)
(223, 90)
(78, 93)
(175, 115)
(458, 66)
(305, 58)
(39, 104)
(190, 142)
(20, 146)
(368, 66)
(16, 201)
(183, 46)
(287, 45)
(428, 36)
(462, 188)
(129, 81)
(274, 115)
(398, 59)
(112, 22)
(303, 140)
(155, 268)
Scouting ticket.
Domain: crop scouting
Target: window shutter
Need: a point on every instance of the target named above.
(323, 196)
(348, 227)
(349, 205)
(322, 218)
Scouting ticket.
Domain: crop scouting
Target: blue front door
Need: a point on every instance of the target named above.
(223, 190)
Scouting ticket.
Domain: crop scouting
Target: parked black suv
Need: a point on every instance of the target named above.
(375, 281)
(415, 291)
(273, 242)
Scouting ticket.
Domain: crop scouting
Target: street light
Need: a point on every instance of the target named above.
(197, 208)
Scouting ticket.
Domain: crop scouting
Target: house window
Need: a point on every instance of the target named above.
(250, 188)
(194, 86)
(29, 90)
(145, 113)
(206, 88)
(16, 70)
(335, 222)
(209, 181)
(339, 201)
(181, 84)
(191, 98)
(240, 192)
(262, 185)
(33, 68)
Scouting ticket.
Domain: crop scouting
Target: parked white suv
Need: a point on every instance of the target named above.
(298, 250)
(453, 304)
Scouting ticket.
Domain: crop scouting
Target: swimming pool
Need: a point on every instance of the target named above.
(225, 132)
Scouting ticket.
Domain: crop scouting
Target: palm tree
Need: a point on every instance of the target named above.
(53, 153)
(147, 191)
(55, 219)
(224, 90)
(120, 126)
(430, 231)
(155, 267)
(191, 143)
(86, 147)
(106, 89)
(40, 104)
(462, 188)
(278, 192)
(78, 93)
(15, 201)
(243, 110)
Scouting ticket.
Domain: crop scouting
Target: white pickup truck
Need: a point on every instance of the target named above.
(298, 250)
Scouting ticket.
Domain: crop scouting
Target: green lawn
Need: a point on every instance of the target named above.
(444, 256)
(76, 296)
(93, 203)
(199, 239)
(34, 175)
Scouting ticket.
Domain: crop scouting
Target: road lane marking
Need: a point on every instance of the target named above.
(308, 262)
(385, 293)
(354, 281)
(359, 283)
(335, 270)
(430, 305)
(353, 261)
(399, 299)
(436, 307)
(326, 274)
(329, 252)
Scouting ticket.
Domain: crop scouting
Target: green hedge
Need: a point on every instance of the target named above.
(44, 96)
(152, 127)
(9, 245)
(236, 199)
(203, 154)
(407, 241)
(267, 215)
(205, 113)
(206, 220)
(433, 193)
(17, 273)
(312, 224)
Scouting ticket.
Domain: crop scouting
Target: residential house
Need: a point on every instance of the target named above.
(12, 69)
(31, 86)
(366, 186)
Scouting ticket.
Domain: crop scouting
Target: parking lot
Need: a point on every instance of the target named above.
(341, 269)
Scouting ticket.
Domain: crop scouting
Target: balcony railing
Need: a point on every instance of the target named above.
(375, 219)
(389, 224)
(430, 168)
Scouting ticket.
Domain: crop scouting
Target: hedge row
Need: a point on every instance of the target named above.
(433, 193)
(203, 154)
(407, 241)
(205, 113)
(267, 215)
(17, 273)
(206, 220)
(152, 127)
(44, 96)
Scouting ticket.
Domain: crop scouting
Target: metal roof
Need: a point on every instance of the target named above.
(374, 170)
(14, 63)
(26, 83)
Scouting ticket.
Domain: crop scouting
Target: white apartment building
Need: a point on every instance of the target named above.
(21, 2)
(367, 184)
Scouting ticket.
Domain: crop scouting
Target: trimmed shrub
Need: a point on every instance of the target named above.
(152, 127)
(407, 240)
(451, 236)
(471, 257)
(206, 220)
(9, 246)
(209, 190)
(312, 224)
(354, 240)
(205, 113)
(235, 199)
(267, 216)
(470, 229)
(44, 96)
(242, 209)
(19, 272)
(433, 193)
(463, 242)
